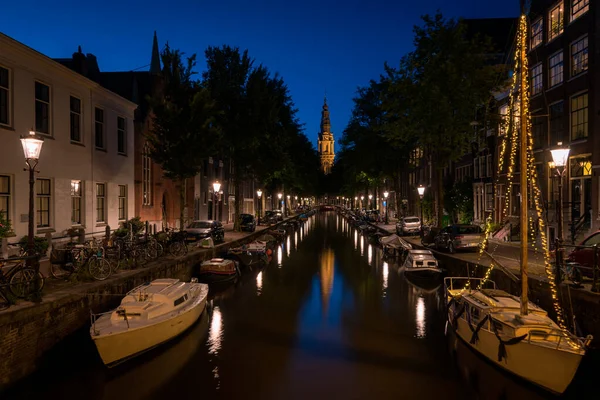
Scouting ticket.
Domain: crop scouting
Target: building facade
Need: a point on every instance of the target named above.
(85, 177)
(326, 142)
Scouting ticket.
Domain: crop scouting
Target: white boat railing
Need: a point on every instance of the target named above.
(455, 279)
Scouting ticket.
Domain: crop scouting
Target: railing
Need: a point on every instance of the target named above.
(468, 280)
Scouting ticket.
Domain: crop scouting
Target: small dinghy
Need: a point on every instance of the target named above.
(251, 253)
(394, 245)
(149, 315)
(421, 263)
(218, 270)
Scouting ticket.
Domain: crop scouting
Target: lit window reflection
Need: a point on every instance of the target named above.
(370, 254)
(355, 240)
(420, 318)
(215, 334)
(296, 239)
(362, 246)
(287, 246)
(327, 272)
(385, 277)
(279, 255)
(259, 283)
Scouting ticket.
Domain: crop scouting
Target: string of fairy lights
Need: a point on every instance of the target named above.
(512, 138)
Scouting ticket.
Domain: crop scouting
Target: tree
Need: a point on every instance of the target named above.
(183, 130)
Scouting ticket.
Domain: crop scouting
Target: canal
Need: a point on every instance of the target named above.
(328, 317)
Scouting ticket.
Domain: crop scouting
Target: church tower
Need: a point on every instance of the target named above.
(325, 142)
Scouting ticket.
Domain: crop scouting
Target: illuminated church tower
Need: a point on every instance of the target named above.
(326, 149)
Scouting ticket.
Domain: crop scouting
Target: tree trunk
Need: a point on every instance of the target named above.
(440, 197)
(237, 185)
(181, 202)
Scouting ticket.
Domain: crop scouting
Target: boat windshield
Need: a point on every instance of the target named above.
(200, 224)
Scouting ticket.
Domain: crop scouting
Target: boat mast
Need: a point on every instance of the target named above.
(524, 109)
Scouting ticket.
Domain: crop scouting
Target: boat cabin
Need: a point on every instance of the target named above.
(420, 259)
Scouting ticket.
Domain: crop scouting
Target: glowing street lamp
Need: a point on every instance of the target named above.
(421, 190)
(216, 188)
(560, 157)
(385, 196)
(259, 194)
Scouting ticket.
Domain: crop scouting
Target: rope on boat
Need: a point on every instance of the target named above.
(475, 336)
(503, 343)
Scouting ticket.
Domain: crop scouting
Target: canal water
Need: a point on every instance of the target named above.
(328, 317)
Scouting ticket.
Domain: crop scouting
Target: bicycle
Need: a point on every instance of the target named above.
(64, 262)
(20, 279)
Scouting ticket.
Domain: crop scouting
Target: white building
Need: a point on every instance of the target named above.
(86, 165)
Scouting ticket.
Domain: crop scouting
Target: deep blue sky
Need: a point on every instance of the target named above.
(316, 46)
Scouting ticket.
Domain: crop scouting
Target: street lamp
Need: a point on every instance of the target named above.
(560, 156)
(385, 196)
(216, 188)
(32, 147)
(259, 194)
(421, 190)
(370, 198)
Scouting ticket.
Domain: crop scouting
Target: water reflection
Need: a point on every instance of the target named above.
(259, 283)
(385, 277)
(420, 318)
(215, 333)
(287, 246)
(362, 246)
(327, 270)
(370, 254)
(355, 240)
(279, 255)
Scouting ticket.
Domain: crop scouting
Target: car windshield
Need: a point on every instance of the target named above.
(200, 224)
(466, 230)
(411, 220)
(246, 218)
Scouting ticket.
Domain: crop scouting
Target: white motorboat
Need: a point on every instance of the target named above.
(394, 244)
(421, 263)
(149, 315)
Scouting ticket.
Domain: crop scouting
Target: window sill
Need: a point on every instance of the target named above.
(44, 135)
(7, 127)
(101, 149)
(77, 143)
(122, 154)
(554, 87)
(579, 75)
(101, 224)
(45, 230)
(578, 141)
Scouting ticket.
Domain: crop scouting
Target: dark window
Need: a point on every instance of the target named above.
(557, 122)
(579, 117)
(536, 79)
(42, 108)
(121, 136)
(43, 195)
(5, 195)
(539, 133)
(75, 202)
(555, 66)
(122, 202)
(100, 202)
(99, 127)
(75, 105)
(4, 96)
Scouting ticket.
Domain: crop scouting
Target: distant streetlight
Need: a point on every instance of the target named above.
(560, 157)
(385, 196)
(216, 188)
(259, 194)
(421, 190)
(370, 201)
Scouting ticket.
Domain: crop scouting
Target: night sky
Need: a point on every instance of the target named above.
(330, 46)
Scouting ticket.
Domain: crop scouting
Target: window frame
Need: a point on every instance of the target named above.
(553, 132)
(557, 70)
(102, 125)
(39, 200)
(587, 55)
(122, 133)
(561, 21)
(122, 203)
(47, 104)
(101, 203)
(582, 10)
(147, 188)
(537, 37)
(8, 90)
(7, 195)
(537, 78)
(76, 202)
(79, 119)
(488, 193)
(573, 111)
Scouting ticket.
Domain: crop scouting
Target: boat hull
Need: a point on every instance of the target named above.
(424, 273)
(212, 277)
(116, 348)
(544, 366)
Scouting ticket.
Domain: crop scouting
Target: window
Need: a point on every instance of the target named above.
(121, 136)
(536, 33)
(42, 108)
(5, 196)
(578, 8)
(536, 79)
(555, 66)
(475, 169)
(538, 132)
(99, 127)
(503, 125)
(579, 56)
(4, 97)
(75, 202)
(75, 105)
(100, 202)
(580, 166)
(556, 18)
(489, 197)
(482, 173)
(43, 196)
(579, 117)
(489, 165)
(146, 176)
(557, 122)
(122, 202)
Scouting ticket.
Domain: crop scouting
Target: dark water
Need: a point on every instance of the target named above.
(328, 318)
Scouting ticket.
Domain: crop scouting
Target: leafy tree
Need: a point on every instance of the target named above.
(183, 131)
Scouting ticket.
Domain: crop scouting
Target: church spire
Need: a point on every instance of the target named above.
(326, 142)
(325, 123)
(155, 62)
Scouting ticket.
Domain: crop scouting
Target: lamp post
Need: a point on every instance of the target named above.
(560, 156)
(421, 190)
(370, 199)
(216, 188)
(362, 198)
(355, 201)
(259, 194)
(279, 196)
(385, 196)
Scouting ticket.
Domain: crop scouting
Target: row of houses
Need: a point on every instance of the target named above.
(94, 169)
(562, 43)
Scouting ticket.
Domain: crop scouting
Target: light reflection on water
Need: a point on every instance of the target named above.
(420, 318)
(370, 254)
(287, 246)
(215, 333)
(385, 277)
(259, 283)
(362, 245)
(355, 240)
(279, 255)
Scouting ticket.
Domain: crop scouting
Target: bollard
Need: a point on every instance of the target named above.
(154, 229)
(146, 226)
(107, 233)
(595, 270)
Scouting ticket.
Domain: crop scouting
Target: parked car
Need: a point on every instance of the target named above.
(279, 215)
(247, 222)
(202, 229)
(459, 236)
(408, 225)
(268, 218)
(585, 256)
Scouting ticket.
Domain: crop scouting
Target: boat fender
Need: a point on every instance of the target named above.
(503, 343)
(475, 336)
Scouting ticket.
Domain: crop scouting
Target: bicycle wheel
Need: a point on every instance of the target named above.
(160, 249)
(23, 282)
(61, 271)
(152, 252)
(99, 268)
(177, 249)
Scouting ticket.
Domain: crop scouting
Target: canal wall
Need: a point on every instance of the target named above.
(29, 330)
(581, 303)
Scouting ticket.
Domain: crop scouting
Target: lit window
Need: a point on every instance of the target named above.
(4, 96)
(43, 196)
(556, 18)
(121, 136)
(42, 108)
(555, 64)
(579, 56)
(122, 202)
(76, 202)
(536, 79)
(580, 166)
(503, 125)
(536, 33)
(5, 196)
(579, 117)
(100, 202)
(578, 8)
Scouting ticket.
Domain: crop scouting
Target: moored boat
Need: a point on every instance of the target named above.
(149, 315)
(421, 263)
(218, 270)
(394, 245)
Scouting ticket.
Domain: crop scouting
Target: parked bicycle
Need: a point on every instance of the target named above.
(18, 279)
(66, 261)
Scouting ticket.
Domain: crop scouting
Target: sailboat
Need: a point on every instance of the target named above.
(511, 332)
